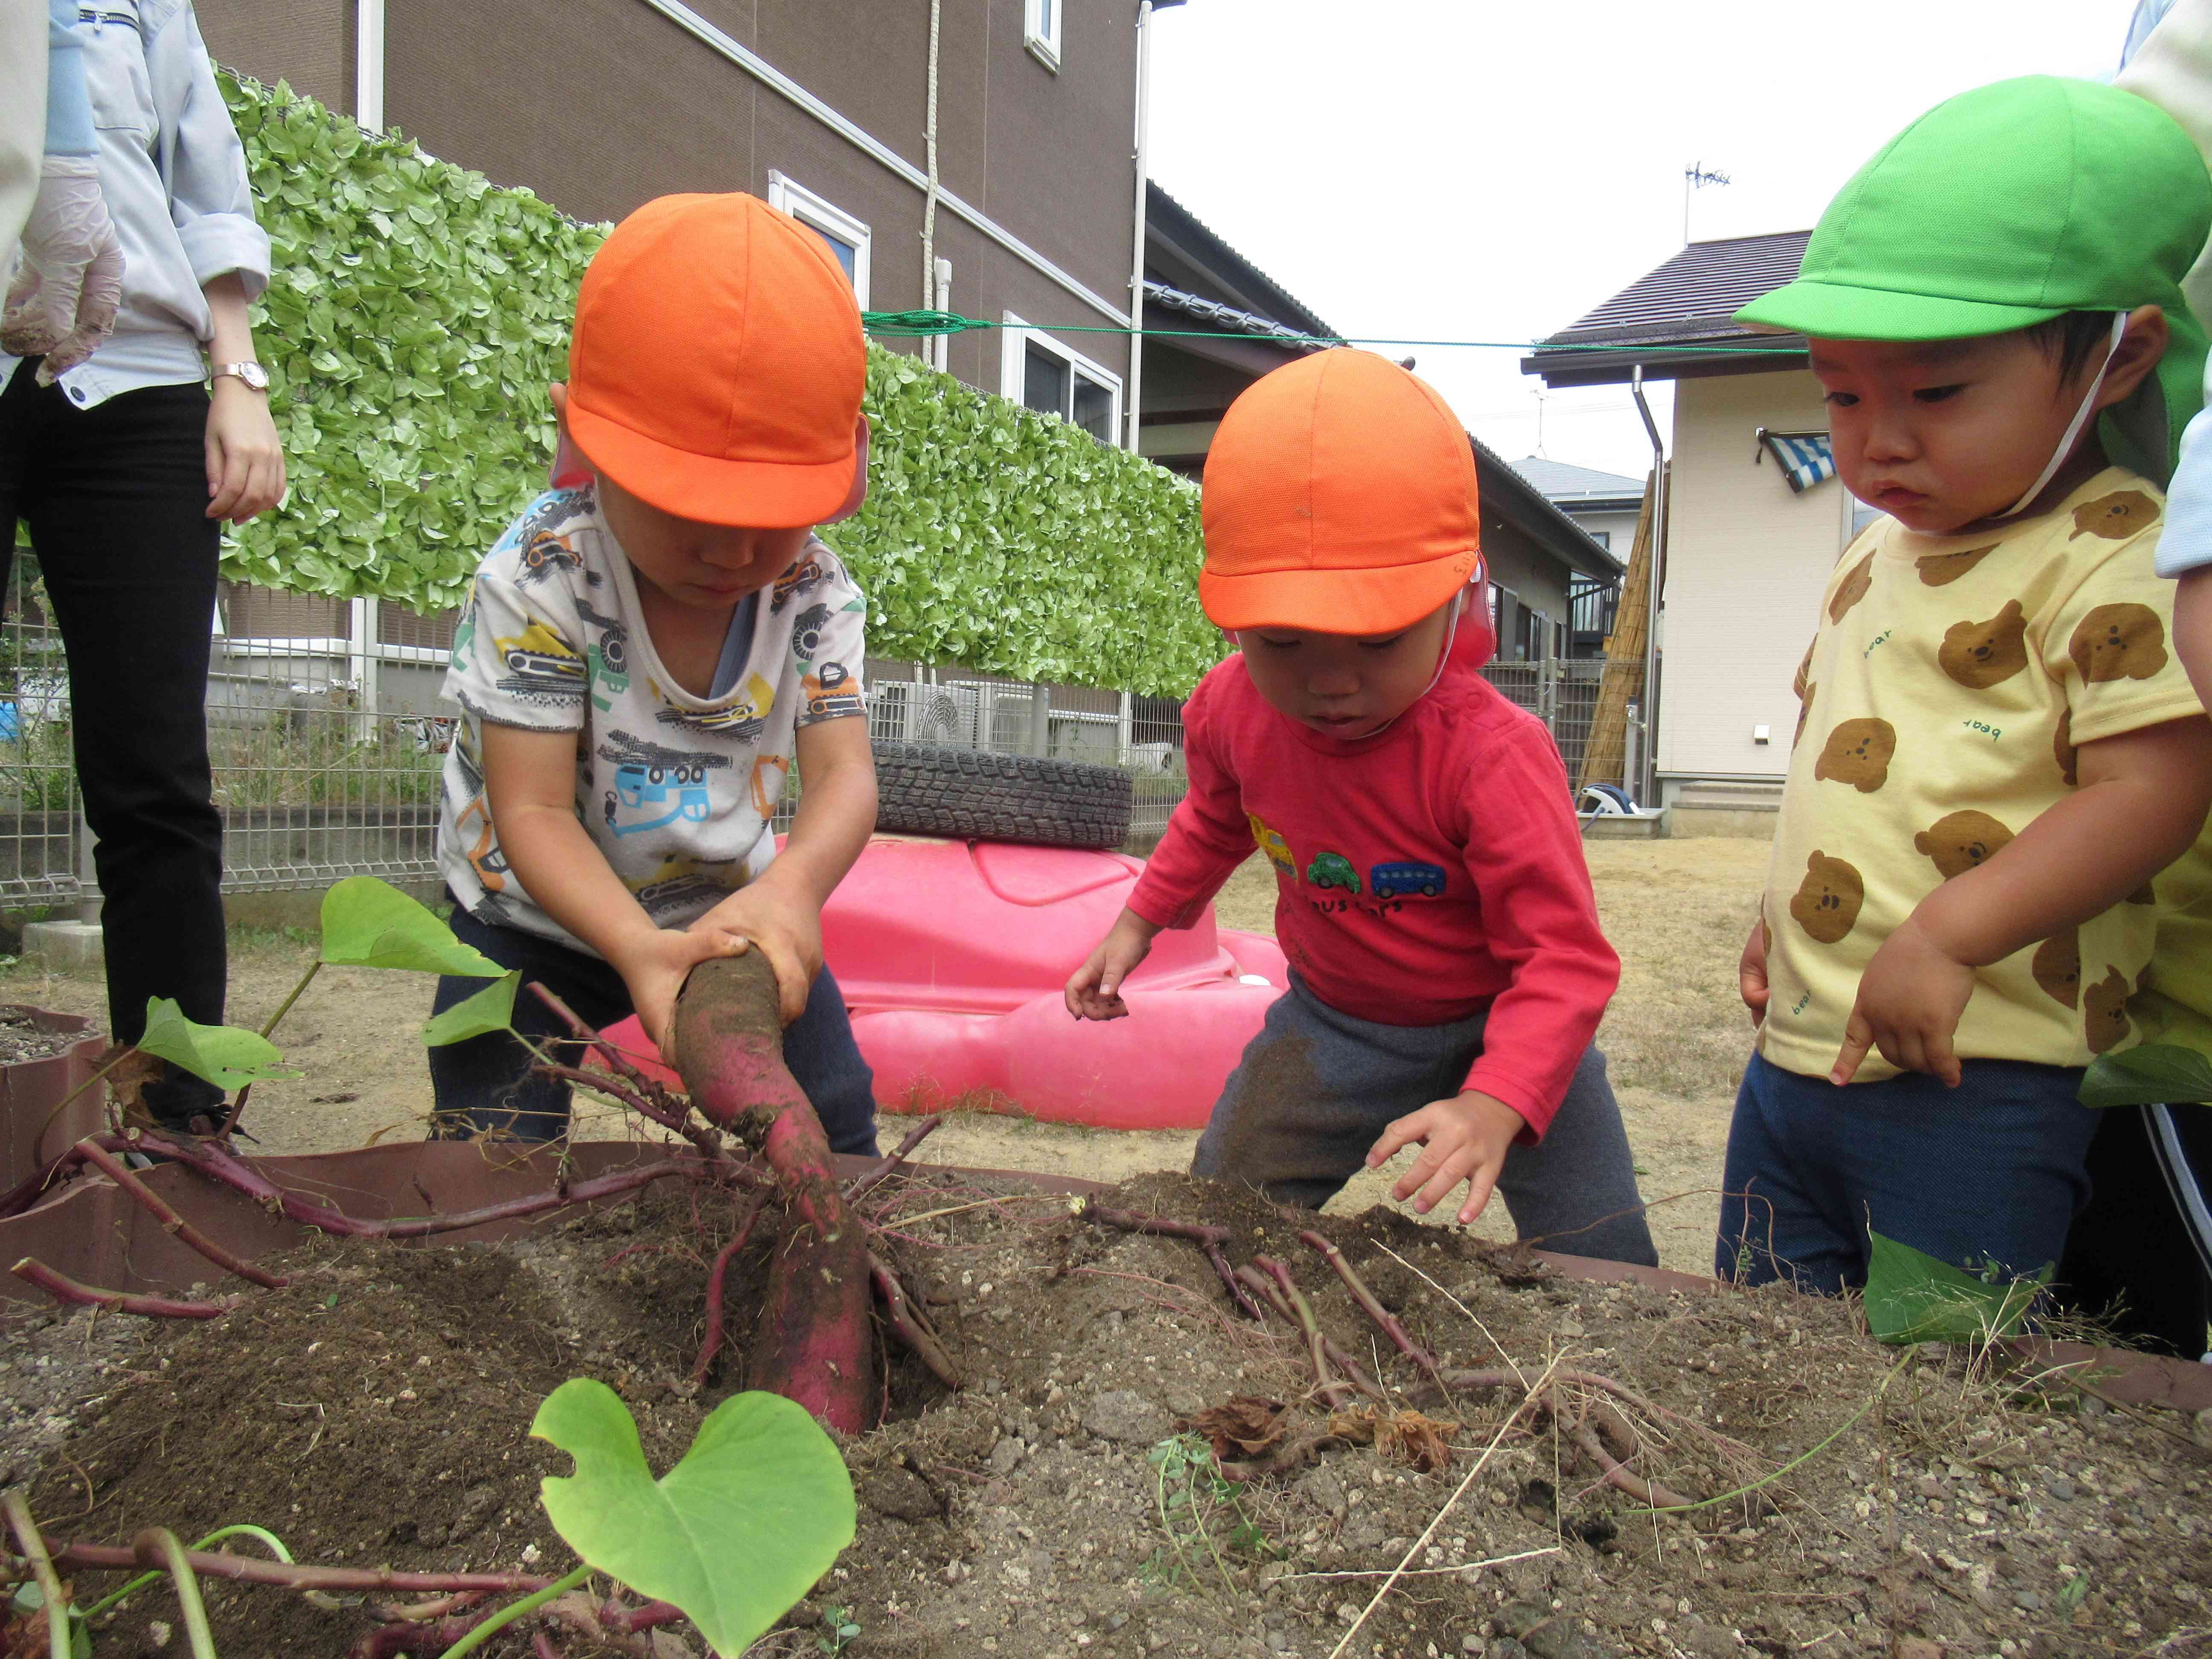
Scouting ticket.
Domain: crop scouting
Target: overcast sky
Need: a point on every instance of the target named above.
(1481, 169)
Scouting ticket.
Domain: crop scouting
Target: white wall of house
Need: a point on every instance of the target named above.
(1614, 531)
(1746, 564)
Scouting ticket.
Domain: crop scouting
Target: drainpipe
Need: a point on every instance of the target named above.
(930, 275)
(1648, 778)
(368, 65)
(1137, 243)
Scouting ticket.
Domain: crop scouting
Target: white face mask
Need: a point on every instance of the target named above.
(2080, 419)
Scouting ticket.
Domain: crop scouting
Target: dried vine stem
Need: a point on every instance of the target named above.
(1211, 1239)
(69, 1292)
(90, 1152)
(671, 1112)
(710, 1344)
(884, 1171)
(250, 1570)
(1292, 1299)
(1375, 1311)
(1612, 1472)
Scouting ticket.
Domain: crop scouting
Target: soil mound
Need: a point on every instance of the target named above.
(375, 1413)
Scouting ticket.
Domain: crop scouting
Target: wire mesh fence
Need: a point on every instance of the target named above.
(327, 738)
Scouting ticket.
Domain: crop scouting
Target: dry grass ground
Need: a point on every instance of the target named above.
(1676, 910)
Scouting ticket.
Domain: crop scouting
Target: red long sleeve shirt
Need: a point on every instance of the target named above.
(1423, 875)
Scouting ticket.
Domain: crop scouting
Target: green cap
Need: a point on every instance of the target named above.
(2007, 206)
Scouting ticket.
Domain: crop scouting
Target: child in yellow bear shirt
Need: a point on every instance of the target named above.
(1997, 749)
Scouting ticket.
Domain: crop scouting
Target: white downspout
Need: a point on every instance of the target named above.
(1648, 778)
(368, 65)
(1136, 248)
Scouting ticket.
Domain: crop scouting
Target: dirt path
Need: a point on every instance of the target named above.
(1676, 910)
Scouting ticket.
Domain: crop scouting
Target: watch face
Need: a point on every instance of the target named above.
(254, 375)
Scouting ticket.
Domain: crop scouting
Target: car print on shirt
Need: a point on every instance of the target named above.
(1396, 880)
(680, 883)
(608, 658)
(1276, 849)
(540, 554)
(807, 631)
(484, 855)
(802, 578)
(829, 693)
(1334, 869)
(661, 786)
(541, 663)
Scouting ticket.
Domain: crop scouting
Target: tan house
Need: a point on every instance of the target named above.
(1749, 545)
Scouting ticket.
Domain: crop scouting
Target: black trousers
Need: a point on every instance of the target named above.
(115, 501)
(2130, 1260)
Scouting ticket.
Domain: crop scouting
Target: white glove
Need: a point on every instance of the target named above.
(69, 281)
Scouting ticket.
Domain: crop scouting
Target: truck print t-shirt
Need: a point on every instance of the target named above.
(676, 790)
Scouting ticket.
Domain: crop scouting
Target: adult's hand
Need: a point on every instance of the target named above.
(63, 302)
(245, 462)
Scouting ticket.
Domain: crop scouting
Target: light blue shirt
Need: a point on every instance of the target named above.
(69, 112)
(174, 174)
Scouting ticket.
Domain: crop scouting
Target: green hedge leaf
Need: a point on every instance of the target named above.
(744, 1525)
(226, 1055)
(367, 923)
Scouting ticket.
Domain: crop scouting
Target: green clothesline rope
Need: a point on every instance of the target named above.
(917, 325)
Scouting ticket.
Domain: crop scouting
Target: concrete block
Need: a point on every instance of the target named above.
(1747, 823)
(65, 947)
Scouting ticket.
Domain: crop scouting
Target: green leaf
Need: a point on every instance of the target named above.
(747, 1520)
(492, 1008)
(1912, 1297)
(225, 1055)
(367, 923)
(2151, 1074)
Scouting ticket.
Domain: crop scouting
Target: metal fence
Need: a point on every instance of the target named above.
(327, 738)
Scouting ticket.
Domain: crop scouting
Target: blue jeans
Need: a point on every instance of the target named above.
(485, 1084)
(1992, 1170)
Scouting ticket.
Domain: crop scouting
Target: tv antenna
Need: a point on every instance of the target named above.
(1696, 176)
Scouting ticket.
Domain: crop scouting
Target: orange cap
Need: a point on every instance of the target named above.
(1339, 497)
(717, 365)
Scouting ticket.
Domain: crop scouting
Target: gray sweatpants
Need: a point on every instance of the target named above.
(1316, 1086)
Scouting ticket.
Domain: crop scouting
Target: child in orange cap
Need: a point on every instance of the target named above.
(1448, 972)
(648, 649)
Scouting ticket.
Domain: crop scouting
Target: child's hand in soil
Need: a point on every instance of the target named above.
(1751, 973)
(654, 965)
(784, 923)
(1095, 991)
(1910, 1001)
(1466, 1138)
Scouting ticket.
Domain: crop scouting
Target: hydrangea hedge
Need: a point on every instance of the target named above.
(416, 313)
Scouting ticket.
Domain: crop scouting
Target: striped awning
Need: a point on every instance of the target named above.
(1805, 458)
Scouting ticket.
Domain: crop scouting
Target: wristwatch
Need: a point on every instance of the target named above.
(251, 373)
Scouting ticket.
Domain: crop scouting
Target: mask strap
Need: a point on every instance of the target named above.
(2080, 419)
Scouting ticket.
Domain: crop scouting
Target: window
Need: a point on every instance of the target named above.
(847, 236)
(1602, 538)
(1558, 639)
(1041, 31)
(1039, 372)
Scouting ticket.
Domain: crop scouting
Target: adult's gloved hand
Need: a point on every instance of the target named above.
(69, 281)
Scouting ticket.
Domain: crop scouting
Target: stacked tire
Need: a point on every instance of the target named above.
(967, 794)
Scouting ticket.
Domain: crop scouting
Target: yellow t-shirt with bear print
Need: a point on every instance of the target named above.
(1941, 703)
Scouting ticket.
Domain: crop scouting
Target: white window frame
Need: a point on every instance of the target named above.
(1015, 337)
(817, 212)
(1040, 22)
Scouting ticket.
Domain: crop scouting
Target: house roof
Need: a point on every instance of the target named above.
(1230, 317)
(1570, 487)
(1522, 504)
(1660, 321)
(1240, 285)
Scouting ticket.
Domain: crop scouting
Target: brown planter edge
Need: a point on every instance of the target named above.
(95, 1233)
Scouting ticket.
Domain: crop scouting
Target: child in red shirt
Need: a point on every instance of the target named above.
(1448, 972)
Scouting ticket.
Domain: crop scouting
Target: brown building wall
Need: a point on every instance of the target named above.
(308, 43)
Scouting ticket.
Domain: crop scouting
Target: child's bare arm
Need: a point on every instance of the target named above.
(530, 778)
(2141, 804)
(2192, 629)
(781, 911)
(1094, 990)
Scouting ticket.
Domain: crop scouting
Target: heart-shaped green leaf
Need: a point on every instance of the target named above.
(492, 1008)
(747, 1520)
(367, 923)
(2150, 1075)
(225, 1055)
(1913, 1296)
